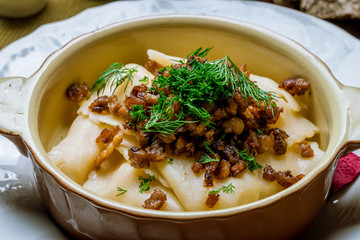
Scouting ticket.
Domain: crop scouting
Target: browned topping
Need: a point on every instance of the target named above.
(180, 145)
(285, 179)
(233, 125)
(100, 105)
(208, 178)
(223, 170)
(295, 86)
(77, 92)
(153, 67)
(138, 158)
(265, 143)
(306, 150)
(156, 200)
(243, 68)
(112, 138)
(197, 167)
(237, 168)
(157, 151)
(212, 199)
(280, 143)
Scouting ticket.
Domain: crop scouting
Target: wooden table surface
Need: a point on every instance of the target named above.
(56, 10)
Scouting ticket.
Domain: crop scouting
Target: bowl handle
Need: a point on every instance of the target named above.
(351, 98)
(17, 179)
(13, 99)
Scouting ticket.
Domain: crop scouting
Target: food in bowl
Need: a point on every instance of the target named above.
(188, 134)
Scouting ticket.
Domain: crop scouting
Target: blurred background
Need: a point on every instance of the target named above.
(21, 17)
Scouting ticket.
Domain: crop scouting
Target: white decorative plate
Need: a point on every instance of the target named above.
(20, 214)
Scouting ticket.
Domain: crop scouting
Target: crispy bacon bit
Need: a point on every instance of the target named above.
(285, 179)
(77, 92)
(208, 179)
(196, 167)
(295, 86)
(237, 168)
(223, 170)
(212, 199)
(306, 150)
(156, 151)
(114, 105)
(138, 158)
(100, 105)
(111, 137)
(153, 67)
(243, 68)
(167, 138)
(233, 125)
(180, 145)
(280, 143)
(231, 107)
(156, 200)
(219, 113)
(265, 143)
(242, 102)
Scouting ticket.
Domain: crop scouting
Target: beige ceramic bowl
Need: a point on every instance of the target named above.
(36, 110)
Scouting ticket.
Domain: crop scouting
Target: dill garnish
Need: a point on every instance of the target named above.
(198, 82)
(171, 160)
(122, 191)
(252, 164)
(138, 113)
(145, 182)
(226, 189)
(161, 117)
(145, 80)
(115, 75)
(206, 158)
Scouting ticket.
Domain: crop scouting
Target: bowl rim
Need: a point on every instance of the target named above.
(66, 183)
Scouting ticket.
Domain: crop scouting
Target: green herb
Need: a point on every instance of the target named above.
(202, 82)
(226, 189)
(145, 182)
(171, 160)
(206, 158)
(145, 80)
(122, 191)
(259, 132)
(138, 113)
(115, 75)
(252, 164)
(199, 52)
(161, 117)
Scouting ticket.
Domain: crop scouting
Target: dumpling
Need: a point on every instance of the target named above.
(293, 123)
(292, 161)
(76, 153)
(105, 183)
(189, 189)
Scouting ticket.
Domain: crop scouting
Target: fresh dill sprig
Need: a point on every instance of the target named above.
(145, 80)
(138, 113)
(171, 160)
(252, 165)
(226, 189)
(145, 182)
(259, 132)
(199, 52)
(115, 75)
(161, 117)
(206, 158)
(196, 84)
(122, 191)
(238, 80)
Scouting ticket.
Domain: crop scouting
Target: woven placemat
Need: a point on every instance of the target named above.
(55, 10)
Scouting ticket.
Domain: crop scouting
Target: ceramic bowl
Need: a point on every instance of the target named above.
(36, 110)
